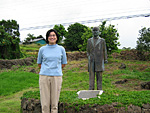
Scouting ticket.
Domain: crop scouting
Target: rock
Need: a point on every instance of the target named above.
(33, 71)
(145, 110)
(61, 107)
(106, 109)
(1, 66)
(122, 66)
(134, 109)
(145, 85)
(24, 104)
(146, 106)
(120, 110)
(30, 106)
(34, 106)
(116, 104)
(121, 81)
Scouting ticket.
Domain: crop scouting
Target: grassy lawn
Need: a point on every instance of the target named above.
(30, 47)
(14, 81)
(20, 81)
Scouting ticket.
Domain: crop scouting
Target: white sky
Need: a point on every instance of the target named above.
(32, 13)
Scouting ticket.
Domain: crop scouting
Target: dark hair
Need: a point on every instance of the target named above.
(48, 32)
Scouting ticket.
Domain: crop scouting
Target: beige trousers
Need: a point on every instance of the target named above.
(50, 87)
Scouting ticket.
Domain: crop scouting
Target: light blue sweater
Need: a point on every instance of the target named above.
(51, 57)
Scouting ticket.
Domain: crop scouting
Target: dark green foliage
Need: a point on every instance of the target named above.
(86, 35)
(110, 35)
(11, 27)
(31, 94)
(73, 36)
(61, 31)
(143, 44)
(9, 40)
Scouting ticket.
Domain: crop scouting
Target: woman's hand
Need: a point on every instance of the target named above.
(63, 65)
(39, 65)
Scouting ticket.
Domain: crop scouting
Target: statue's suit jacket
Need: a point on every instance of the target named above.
(97, 54)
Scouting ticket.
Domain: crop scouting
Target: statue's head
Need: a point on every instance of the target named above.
(96, 31)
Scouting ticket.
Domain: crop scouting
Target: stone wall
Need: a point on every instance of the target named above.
(7, 64)
(34, 106)
(132, 54)
(76, 55)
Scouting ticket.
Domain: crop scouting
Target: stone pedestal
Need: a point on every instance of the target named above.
(86, 94)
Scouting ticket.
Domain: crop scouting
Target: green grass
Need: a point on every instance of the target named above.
(132, 74)
(30, 47)
(11, 103)
(123, 97)
(75, 79)
(14, 81)
(20, 82)
(9, 106)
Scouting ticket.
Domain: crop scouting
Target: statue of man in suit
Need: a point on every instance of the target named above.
(97, 56)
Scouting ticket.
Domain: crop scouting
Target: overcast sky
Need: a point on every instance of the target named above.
(32, 13)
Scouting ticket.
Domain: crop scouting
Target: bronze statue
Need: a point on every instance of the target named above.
(97, 56)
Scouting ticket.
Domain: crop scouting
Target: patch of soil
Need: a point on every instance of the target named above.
(81, 63)
(111, 67)
(129, 85)
(138, 67)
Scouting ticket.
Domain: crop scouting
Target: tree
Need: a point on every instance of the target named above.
(11, 27)
(143, 43)
(29, 38)
(40, 36)
(109, 33)
(61, 31)
(73, 36)
(9, 40)
(86, 35)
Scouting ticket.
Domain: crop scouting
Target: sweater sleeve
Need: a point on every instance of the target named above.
(64, 57)
(39, 58)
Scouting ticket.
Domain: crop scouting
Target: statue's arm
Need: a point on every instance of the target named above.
(88, 49)
(105, 52)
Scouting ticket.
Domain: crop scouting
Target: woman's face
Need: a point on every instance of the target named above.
(52, 38)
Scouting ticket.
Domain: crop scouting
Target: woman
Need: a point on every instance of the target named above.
(51, 60)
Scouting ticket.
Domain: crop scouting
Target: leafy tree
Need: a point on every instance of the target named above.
(109, 33)
(73, 36)
(143, 43)
(86, 35)
(11, 27)
(61, 31)
(9, 40)
(29, 38)
(40, 36)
